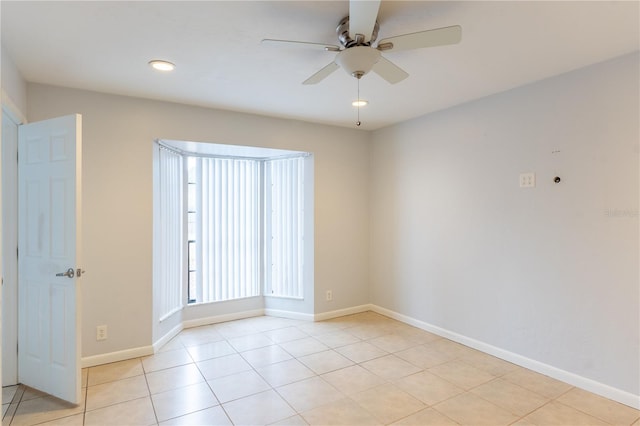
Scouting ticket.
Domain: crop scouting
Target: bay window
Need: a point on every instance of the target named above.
(231, 226)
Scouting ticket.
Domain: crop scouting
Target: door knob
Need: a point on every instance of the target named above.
(70, 273)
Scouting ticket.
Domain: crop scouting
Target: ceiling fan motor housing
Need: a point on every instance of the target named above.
(345, 40)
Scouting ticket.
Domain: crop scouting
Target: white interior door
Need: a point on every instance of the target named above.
(49, 170)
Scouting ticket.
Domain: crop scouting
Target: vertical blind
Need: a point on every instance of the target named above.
(227, 223)
(171, 236)
(286, 226)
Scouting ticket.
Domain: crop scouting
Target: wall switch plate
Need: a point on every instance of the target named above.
(329, 295)
(101, 332)
(527, 180)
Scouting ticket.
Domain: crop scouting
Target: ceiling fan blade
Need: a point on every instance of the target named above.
(322, 74)
(362, 17)
(389, 71)
(320, 46)
(429, 38)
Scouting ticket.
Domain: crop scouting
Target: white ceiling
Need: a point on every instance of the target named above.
(105, 46)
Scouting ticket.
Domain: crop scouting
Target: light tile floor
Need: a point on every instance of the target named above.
(362, 369)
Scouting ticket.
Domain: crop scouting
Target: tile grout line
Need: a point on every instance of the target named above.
(578, 409)
(146, 380)
(207, 381)
(20, 391)
(293, 357)
(86, 396)
(272, 388)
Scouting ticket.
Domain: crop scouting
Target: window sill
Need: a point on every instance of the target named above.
(271, 296)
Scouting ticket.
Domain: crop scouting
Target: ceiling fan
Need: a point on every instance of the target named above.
(357, 54)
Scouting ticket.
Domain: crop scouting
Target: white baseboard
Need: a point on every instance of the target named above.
(149, 350)
(587, 384)
(222, 318)
(92, 361)
(288, 314)
(318, 317)
(165, 339)
(342, 312)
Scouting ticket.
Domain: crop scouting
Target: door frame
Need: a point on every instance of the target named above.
(8, 251)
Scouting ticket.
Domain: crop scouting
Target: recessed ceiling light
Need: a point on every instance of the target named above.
(359, 103)
(159, 65)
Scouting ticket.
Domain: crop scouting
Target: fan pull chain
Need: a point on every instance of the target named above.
(358, 122)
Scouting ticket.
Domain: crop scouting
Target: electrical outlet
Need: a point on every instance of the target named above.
(329, 295)
(527, 180)
(101, 332)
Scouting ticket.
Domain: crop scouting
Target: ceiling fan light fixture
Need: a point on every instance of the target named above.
(360, 103)
(358, 60)
(161, 65)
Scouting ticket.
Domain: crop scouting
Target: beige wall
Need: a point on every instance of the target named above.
(117, 200)
(14, 87)
(549, 273)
